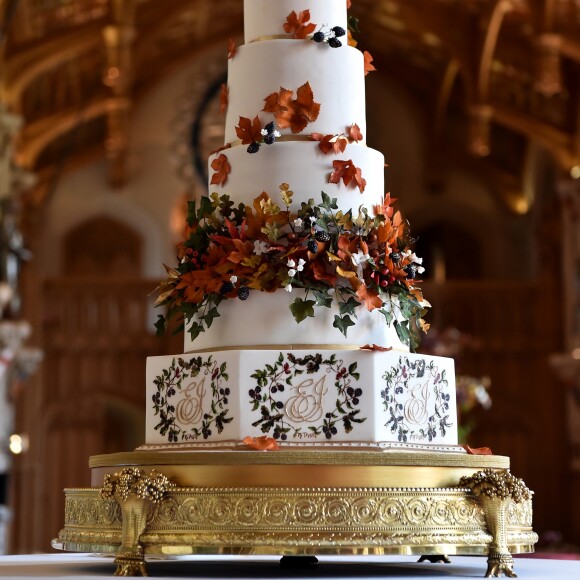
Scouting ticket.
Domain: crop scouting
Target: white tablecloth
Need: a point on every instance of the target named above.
(87, 567)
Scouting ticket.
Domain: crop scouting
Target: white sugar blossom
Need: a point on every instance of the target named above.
(298, 222)
(233, 279)
(420, 269)
(413, 257)
(291, 263)
(277, 134)
(358, 260)
(264, 132)
(260, 247)
(288, 288)
(300, 266)
(312, 218)
(291, 272)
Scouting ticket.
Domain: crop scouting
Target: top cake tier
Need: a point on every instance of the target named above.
(264, 18)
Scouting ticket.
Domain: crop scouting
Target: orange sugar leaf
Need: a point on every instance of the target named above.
(232, 48)
(249, 131)
(224, 97)
(369, 67)
(369, 298)
(349, 173)
(298, 24)
(376, 347)
(222, 169)
(354, 133)
(262, 443)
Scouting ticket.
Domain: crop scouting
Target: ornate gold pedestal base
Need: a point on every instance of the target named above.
(299, 503)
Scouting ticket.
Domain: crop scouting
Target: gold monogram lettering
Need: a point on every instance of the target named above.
(306, 405)
(416, 407)
(189, 409)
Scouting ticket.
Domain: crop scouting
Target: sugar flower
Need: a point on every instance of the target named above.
(300, 265)
(260, 247)
(358, 260)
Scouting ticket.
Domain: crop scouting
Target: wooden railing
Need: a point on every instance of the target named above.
(37, 19)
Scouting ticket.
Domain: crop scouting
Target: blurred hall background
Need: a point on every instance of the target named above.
(108, 111)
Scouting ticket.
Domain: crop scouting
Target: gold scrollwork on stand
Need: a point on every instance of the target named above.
(136, 514)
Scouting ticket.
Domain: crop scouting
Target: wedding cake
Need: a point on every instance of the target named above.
(297, 280)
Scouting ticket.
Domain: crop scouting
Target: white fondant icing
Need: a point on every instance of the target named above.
(336, 76)
(310, 397)
(265, 318)
(306, 169)
(267, 17)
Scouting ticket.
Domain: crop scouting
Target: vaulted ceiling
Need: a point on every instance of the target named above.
(493, 76)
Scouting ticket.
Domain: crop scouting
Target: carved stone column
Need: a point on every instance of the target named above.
(118, 76)
(548, 79)
(567, 364)
(480, 116)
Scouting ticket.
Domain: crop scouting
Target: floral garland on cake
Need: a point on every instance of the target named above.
(356, 261)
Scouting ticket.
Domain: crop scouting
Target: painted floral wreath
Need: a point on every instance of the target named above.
(360, 261)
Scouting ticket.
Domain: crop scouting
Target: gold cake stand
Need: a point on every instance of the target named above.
(299, 503)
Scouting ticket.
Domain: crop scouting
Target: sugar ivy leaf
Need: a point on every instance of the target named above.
(195, 330)
(302, 309)
(160, 325)
(328, 203)
(323, 298)
(388, 315)
(226, 205)
(402, 329)
(191, 212)
(210, 316)
(348, 306)
(408, 305)
(342, 323)
(205, 208)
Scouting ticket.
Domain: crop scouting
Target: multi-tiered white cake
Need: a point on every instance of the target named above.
(295, 262)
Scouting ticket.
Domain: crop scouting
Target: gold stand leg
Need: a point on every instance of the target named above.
(499, 560)
(130, 563)
(494, 489)
(130, 560)
(135, 492)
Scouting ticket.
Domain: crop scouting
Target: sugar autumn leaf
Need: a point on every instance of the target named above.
(348, 4)
(349, 173)
(224, 97)
(222, 148)
(222, 169)
(376, 347)
(368, 298)
(293, 113)
(249, 131)
(262, 443)
(354, 133)
(232, 48)
(330, 143)
(351, 41)
(298, 24)
(369, 67)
